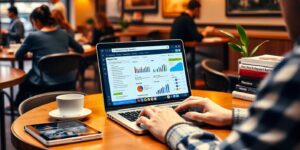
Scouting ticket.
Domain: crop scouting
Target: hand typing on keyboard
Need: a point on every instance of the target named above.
(158, 120)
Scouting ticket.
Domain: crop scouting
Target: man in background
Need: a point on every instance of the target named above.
(185, 28)
(273, 121)
(16, 29)
(58, 5)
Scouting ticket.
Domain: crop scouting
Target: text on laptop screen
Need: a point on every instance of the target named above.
(143, 74)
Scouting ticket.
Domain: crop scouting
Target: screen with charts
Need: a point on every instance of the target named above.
(143, 74)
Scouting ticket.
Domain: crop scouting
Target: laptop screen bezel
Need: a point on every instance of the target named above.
(100, 46)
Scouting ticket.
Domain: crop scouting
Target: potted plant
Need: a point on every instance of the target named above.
(124, 24)
(241, 44)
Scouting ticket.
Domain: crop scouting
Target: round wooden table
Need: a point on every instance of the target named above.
(8, 78)
(114, 135)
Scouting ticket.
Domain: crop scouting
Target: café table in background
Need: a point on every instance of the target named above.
(114, 135)
(8, 78)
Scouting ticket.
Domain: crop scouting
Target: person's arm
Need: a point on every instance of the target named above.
(273, 122)
(75, 45)
(192, 30)
(25, 47)
(19, 31)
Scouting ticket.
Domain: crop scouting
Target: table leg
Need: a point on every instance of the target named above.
(193, 72)
(2, 120)
(226, 56)
(21, 64)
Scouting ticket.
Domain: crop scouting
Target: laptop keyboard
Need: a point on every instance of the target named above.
(133, 115)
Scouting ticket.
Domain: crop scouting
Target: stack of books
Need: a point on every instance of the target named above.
(251, 71)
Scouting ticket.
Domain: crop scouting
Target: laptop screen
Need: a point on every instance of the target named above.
(143, 72)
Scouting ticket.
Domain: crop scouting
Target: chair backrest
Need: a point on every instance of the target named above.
(213, 77)
(55, 65)
(154, 35)
(109, 38)
(41, 99)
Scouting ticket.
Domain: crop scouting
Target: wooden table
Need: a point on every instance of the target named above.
(5, 55)
(114, 135)
(132, 34)
(8, 78)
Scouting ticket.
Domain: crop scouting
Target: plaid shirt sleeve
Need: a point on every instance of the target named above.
(273, 122)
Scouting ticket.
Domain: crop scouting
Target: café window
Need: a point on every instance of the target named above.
(25, 7)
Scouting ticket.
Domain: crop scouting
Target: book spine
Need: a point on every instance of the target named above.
(244, 96)
(245, 89)
(255, 68)
(249, 82)
(252, 74)
(258, 62)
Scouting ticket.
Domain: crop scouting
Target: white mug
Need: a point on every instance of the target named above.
(70, 105)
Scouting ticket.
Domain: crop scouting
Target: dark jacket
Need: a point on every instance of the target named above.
(185, 28)
(16, 30)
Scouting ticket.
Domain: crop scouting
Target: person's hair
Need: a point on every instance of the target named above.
(193, 4)
(13, 9)
(43, 14)
(101, 19)
(61, 20)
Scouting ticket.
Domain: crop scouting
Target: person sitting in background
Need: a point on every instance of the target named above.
(16, 29)
(60, 6)
(102, 29)
(47, 40)
(62, 22)
(272, 122)
(185, 28)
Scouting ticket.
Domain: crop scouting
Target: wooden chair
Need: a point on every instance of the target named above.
(213, 77)
(54, 68)
(42, 99)
(154, 35)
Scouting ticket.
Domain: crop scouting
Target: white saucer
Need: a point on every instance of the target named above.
(56, 115)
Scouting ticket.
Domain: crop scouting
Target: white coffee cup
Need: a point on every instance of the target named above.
(70, 105)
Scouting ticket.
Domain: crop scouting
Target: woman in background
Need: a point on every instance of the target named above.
(102, 30)
(62, 22)
(48, 39)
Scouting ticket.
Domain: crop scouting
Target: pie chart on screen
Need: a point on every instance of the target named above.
(140, 88)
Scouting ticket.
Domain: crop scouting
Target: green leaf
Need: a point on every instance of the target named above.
(228, 34)
(257, 47)
(245, 51)
(243, 36)
(235, 47)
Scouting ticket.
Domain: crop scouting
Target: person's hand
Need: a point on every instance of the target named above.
(158, 120)
(3, 31)
(207, 30)
(212, 114)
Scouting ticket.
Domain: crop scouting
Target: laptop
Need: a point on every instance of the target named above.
(139, 74)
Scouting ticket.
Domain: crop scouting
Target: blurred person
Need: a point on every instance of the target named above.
(62, 22)
(102, 29)
(48, 39)
(16, 29)
(272, 122)
(60, 6)
(185, 28)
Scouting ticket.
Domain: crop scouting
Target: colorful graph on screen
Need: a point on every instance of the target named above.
(177, 67)
(162, 68)
(164, 90)
(142, 69)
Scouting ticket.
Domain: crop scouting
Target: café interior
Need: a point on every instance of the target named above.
(217, 40)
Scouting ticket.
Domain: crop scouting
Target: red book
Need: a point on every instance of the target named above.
(252, 73)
